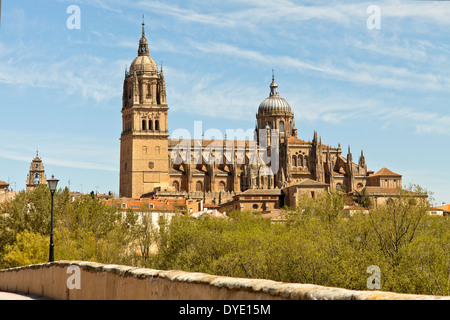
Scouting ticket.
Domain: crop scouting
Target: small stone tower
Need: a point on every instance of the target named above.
(37, 174)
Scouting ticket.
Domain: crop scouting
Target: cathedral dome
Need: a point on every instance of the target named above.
(143, 63)
(274, 103)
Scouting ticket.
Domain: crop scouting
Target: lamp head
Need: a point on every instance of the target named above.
(52, 183)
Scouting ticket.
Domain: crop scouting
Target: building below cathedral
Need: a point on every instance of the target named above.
(269, 172)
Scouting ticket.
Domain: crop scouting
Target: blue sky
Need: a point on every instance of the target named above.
(385, 90)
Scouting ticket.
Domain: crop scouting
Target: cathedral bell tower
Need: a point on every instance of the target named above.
(144, 139)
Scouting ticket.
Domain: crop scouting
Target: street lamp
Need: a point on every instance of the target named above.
(52, 183)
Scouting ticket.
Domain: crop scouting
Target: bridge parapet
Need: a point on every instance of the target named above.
(81, 280)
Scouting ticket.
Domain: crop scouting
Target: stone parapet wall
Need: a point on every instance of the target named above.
(114, 282)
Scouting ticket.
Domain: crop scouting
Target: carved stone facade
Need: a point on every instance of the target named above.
(152, 163)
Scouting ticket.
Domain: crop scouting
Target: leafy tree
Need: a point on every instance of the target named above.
(29, 248)
(362, 198)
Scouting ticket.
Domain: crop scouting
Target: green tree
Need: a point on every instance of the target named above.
(28, 248)
(362, 198)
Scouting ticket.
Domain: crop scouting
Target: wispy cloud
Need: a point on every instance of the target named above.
(223, 98)
(60, 150)
(348, 70)
(85, 76)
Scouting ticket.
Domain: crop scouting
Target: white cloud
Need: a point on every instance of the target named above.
(87, 76)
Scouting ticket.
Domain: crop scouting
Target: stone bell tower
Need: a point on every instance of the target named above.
(144, 139)
(36, 174)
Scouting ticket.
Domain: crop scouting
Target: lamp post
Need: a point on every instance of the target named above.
(52, 183)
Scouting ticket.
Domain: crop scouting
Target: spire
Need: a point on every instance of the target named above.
(349, 155)
(273, 86)
(362, 160)
(143, 43)
(315, 137)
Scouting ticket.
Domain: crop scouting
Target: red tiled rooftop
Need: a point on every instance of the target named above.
(386, 172)
(445, 207)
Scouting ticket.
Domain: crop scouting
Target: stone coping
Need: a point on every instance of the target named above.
(274, 289)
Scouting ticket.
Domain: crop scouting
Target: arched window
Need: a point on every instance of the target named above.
(36, 178)
(150, 125)
(144, 125)
(281, 126)
(156, 124)
(222, 186)
(176, 186)
(198, 186)
(294, 160)
(300, 160)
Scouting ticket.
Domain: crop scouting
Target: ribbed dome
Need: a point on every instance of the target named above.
(274, 103)
(143, 64)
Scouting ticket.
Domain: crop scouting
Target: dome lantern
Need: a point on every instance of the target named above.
(274, 103)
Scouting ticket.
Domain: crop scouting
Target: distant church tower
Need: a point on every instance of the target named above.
(144, 165)
(37, 174)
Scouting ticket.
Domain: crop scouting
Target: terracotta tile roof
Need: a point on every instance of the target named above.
(370, 189)
(258, 192)
(3, 183)
(386, 172)
(310, 182)
(445, 207)
(297, 140)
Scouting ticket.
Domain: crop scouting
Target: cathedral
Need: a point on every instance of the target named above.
(267, 172)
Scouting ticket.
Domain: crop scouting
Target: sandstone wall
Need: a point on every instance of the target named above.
(114, 282)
